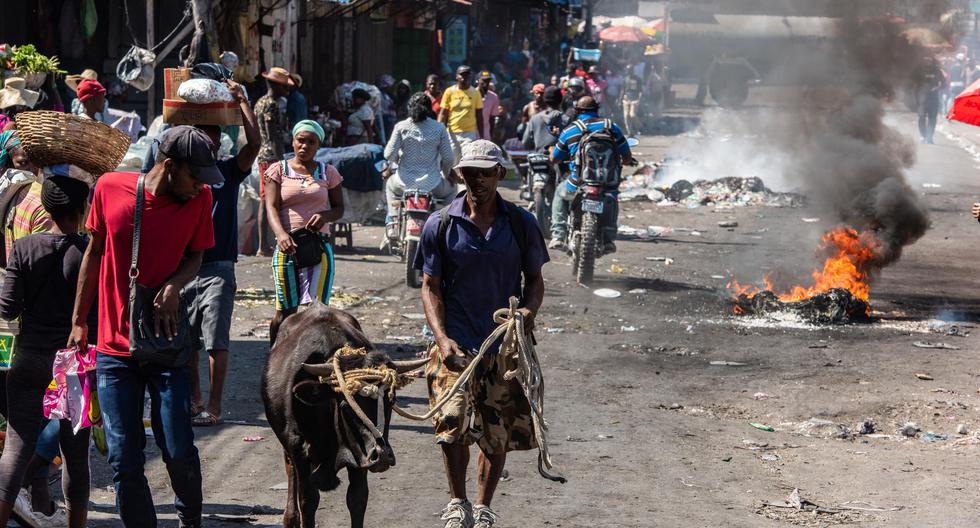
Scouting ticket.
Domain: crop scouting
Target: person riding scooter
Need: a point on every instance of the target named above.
(587, 122)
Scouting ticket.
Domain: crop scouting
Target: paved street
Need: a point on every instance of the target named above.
(648, 432)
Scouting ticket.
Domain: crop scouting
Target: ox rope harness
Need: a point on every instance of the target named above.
(516, 349)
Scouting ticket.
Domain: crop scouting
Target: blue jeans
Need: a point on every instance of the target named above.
(122, 382)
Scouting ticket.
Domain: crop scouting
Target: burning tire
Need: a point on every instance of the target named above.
(587, 248)
(413, 277)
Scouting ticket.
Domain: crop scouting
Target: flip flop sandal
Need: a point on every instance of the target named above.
(206, 419)
(196, 410)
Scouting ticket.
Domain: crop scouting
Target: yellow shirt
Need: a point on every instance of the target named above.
(462, 106)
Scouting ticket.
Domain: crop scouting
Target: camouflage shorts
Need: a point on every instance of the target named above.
(490, 412)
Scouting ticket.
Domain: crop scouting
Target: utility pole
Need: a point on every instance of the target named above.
(151, 92)
(588, 21)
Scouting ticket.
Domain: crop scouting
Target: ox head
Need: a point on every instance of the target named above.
(358, 444)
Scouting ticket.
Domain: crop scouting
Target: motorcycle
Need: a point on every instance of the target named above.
(538, 188)
(593, 205)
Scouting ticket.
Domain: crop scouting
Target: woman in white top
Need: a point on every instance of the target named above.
(421, 148)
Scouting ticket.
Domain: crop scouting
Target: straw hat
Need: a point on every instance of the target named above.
(297, 79)
(279, 76)
(73, 80)
(15, 93)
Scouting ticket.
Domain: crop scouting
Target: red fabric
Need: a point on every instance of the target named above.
(89, 88)
(169, 228)
(263, 166)
(966, 106)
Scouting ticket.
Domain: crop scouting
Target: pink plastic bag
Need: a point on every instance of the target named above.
(72, 393)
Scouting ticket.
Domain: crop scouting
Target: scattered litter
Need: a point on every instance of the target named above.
(554, 330)
(867, 427)
(281, 486)
(923, 376)
(505, 476)
(727, 364)
(607, 293)
(931, 437)
(810, 220)
(820, 428)
(229, 518)
(762, 427)
(927, 344)
(414, 316)
(947, 328)
(658, 259)
(795, 502)
(835, 306)
(628, 328)
(727, 459)
(255, 438)
(931, 186)
(961, 429)
(769, 457)
(575, 439)
(729, 224)
(719, 277)
(637, 291)
(695, 233)
(675, 407)
(659, 231)
(818, 345)
(909, 429)
(760, 396)
(616, 268)
(604, 436)
(728, 192)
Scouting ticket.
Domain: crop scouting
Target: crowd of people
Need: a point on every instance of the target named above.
(73, 257)
(943, 78)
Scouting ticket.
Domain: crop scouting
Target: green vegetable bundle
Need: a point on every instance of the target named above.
(26, 59)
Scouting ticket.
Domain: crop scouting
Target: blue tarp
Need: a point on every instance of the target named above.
(356, 164)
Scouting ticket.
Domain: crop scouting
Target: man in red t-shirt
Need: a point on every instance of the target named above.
(176, 228)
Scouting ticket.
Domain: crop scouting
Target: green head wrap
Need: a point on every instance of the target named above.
(8, 140)
(308, 125)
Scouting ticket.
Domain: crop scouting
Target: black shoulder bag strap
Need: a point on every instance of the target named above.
(137, 222)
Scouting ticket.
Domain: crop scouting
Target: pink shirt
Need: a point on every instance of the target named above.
(301, 197)
(491, 108)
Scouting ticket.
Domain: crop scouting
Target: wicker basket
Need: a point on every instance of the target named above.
(50, 138)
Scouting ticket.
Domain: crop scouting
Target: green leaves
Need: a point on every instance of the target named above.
(26, 59)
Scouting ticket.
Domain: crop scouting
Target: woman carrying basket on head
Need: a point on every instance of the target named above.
(302, 196)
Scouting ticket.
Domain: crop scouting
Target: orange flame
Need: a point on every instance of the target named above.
(850, 261)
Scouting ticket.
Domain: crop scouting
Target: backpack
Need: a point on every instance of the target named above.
(597, 158)
(516, 227)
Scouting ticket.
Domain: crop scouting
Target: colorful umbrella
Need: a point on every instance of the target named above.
(623, 34)
(966, 106)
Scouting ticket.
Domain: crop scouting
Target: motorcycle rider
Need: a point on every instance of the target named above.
(423, 151)
(574, 92)
(543, 128)
(587, 113)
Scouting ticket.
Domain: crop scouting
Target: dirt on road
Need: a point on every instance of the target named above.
(650, 395)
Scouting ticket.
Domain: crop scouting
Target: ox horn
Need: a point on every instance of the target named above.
(319, 369)
(409, 365)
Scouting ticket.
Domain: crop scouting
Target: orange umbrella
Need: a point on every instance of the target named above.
(966, 106)
(624, 34)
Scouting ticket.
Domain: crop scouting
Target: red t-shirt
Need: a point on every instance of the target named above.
(169, 228)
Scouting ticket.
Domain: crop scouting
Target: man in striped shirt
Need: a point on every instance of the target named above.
(587, 113)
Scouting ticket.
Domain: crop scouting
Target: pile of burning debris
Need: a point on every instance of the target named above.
(728, 192)
(840, 290)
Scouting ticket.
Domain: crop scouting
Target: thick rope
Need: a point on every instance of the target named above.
(516, 348)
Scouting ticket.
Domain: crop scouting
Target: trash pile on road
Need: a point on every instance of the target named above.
(731, 191)
(836, 306)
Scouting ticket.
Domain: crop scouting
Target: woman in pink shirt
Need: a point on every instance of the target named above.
(302, 196)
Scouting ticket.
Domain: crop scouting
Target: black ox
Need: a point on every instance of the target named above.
(317, 428)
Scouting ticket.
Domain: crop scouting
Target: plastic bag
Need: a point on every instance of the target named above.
(72, 393)
(136, 68)
(204, 91)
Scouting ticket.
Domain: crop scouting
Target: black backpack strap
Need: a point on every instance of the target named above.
(441, 234)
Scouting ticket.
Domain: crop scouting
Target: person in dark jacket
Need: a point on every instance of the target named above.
(39, 287)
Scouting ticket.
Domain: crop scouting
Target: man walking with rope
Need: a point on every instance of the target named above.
(473, 255)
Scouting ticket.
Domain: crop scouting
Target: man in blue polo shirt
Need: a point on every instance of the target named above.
(211, 295)
(587, 112)
(472, 259)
